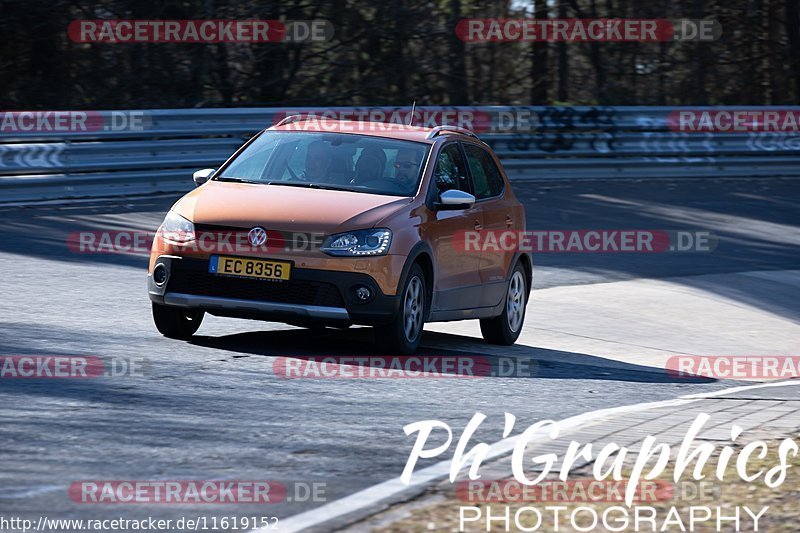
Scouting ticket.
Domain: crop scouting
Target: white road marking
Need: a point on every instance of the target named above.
(383, 491)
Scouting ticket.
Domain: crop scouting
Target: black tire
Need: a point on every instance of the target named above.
(500, 329)
(176, 322)
(397, 337)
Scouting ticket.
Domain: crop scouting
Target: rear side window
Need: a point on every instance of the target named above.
(486, 176)
(450, 171)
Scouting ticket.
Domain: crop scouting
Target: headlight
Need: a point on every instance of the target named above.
(356, 243)
(175, 228)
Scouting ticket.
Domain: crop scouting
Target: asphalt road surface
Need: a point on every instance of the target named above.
(214, 408)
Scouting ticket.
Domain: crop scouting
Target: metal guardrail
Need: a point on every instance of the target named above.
(534, 143)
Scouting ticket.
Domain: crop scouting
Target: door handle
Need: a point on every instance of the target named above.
(509, 221)
(478, 225)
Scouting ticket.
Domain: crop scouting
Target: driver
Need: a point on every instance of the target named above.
(406, 167)
(318, 161)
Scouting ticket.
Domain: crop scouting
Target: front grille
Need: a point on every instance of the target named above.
(299, 292)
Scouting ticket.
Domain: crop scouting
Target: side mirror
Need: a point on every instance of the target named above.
(453, 199)
(201, 176)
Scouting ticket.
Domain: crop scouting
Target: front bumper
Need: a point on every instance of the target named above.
(310, 295)
(215, 303)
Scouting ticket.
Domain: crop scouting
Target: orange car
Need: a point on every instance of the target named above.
(349, 223)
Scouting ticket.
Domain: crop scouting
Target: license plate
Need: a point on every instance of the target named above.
(249, 268)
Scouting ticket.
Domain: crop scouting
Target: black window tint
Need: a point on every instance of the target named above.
(485, 175)
(450, 172)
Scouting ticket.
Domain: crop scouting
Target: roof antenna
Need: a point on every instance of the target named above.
(411, 118)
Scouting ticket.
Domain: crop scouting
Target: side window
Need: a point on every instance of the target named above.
(450, 171)
(486, 176)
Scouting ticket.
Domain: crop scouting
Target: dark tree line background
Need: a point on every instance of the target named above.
(392, 52)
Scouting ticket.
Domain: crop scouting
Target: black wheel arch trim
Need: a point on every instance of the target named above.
(418, 249)
(526, 258)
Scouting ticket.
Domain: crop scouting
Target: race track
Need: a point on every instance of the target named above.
(598, 331)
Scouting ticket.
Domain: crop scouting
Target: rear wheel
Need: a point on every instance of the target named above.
(176, 322)
(505, 329)
(404, 335)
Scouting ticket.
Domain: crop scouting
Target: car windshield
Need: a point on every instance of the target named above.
(337, 161)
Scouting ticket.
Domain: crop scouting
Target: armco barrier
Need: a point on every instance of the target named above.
(534, 143)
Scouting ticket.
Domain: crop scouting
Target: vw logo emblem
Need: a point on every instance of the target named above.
(257, 236)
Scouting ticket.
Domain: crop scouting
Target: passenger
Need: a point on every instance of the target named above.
(368, 168)
(370, 165)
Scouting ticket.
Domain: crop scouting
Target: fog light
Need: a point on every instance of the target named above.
(160, 274)
(363, 293)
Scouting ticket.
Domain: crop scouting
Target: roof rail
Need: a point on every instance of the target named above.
(438, 130)
(289, 119)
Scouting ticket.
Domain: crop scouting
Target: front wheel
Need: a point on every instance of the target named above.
(176, 322)
(505, 329)
(404, 335)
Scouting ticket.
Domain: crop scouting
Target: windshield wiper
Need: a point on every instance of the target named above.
(234, 180)
(306, 185)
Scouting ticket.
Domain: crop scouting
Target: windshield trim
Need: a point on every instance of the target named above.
(417, 141)
(218, 175)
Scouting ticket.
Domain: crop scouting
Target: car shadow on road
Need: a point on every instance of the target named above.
(357, 347)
